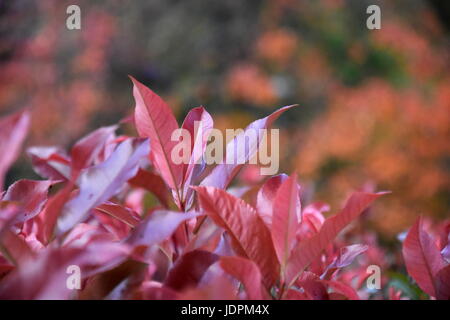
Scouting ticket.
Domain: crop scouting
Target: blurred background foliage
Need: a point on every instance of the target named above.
(375, 104)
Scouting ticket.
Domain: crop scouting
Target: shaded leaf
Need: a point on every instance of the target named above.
(250, 236)
(308, 250)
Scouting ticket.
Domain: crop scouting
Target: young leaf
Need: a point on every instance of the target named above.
(246, 272)
(309, 249)
(266, 196)
(223, 173)
(422, 258)
(13, 129)
(286, 218)
(250, 236)
(101, 182)
(154, 119)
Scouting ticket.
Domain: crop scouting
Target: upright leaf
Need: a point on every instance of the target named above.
(266, 196)
(250, 236)
(422, 258)
(154, 119)
(286, 218)
(224, 172)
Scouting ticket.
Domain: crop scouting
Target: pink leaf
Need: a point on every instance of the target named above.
(422, 258)
(101, 182)
(155, 120)
(250, 236)
(308, 250)
(266, 196)
(49, 163)
(223, 173)
(159, 226)
(246, 272)
(286, 218)
(121, 213)
(13, 129)
(199, 137)
(31, 196)
(86, 150)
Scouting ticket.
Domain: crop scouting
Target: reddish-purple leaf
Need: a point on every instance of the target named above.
(13, 129)
(189, 269)
(46, 220)
(86, 150)
(346, 256)
(151, 182)
(286, 218)
(31, 195)
(49, 163)
(443, 283)
(101, 182)
(124, 214)
(266, 196)
(250, 236)
(342, 288)
(159, 226)
(246, 272)
(422, 258)
(308, 250)
(154, 119)
(224, 172)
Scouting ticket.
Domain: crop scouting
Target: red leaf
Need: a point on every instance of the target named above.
(223, 173)
(308, 250)
(46, 220)
(13, 129)
(155, 120)
(422, 258)
(86, 150)
(151, 182)
(101, 182)
(121, 213)
(443, 284)
(199, 137)
(250, 236)
(189, 269)
(266, 196)
(342, 288)
(344, 259)
(49, 163)
(31, 196)
(246, 272)
(286, 218)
